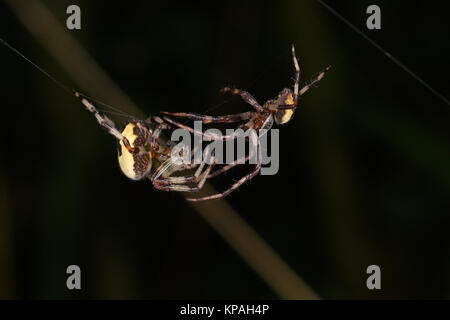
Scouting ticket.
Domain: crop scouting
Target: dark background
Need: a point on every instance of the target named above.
(364, 175)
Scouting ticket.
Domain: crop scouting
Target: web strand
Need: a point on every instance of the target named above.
(117, 111)
(387, 54)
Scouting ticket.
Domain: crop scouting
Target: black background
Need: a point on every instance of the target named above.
(364, 176)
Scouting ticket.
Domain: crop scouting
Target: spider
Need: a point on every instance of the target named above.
(279, 110)
(140, 146)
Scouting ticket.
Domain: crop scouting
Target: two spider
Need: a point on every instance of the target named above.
(142, 154)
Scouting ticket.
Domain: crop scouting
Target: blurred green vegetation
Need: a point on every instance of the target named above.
(364, 176)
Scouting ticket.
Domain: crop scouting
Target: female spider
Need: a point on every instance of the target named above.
(279, 110)
(140, 147)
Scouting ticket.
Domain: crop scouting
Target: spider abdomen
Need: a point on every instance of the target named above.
(135, 165)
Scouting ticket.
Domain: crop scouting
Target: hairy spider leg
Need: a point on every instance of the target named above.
(217, 172)
(207, 135)
(180, 183)
(241, 181)
(246, 96)
(157, 133)
(234, 163)
(105, 122)
(314, 81)
(297, 75)
(307, 87)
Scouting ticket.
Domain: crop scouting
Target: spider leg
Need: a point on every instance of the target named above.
(168, 167)
(156, 134)
(243, 180)
(182, 180)
(105, 122)
(188, 179)
(156, 119)
(192, 164)
(314, 81)
(247, 97)
(297, 75)
(209, 119)
(182, 183)
(207, 136)
(227, 167)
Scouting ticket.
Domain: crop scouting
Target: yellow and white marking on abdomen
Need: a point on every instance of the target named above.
(128, 161)
(288, 113)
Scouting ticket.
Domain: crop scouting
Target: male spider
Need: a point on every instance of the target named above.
(279, 110)
(139, 147)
